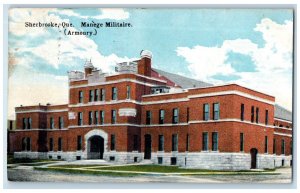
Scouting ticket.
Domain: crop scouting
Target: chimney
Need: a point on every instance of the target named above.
(144, 64)
(88, 67)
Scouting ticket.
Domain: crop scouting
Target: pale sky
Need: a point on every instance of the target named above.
(251, 47)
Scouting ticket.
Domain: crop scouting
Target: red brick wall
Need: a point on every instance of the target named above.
(228, 131)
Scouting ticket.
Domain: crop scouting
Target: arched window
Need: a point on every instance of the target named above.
(28, 143)
(24, 144)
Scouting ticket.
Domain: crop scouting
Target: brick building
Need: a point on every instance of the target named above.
(142, 113)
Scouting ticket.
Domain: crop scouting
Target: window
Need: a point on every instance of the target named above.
(282, 146)
(128, 91)
(51, 123)
(266, 144)
(205, 141)
(214, 141)
(102, 94)
(79, 143)
(24, 144)
(29, 123)
(257, 114)
(112, 142)
(175, 142)
(61, 122)
(242, 111)
(90, 117)
(241, 141)
(148, 117)
(51, 144)
(101, 117)
(159, 160)
(80, 96)
(59, 144)
(113, 116)
(111, 158)
(96, 95)
(267, 117)
(91, 98)
(80, 118)
(161, 143)
(216, 111)
(173, 160)
(28, 144)
(187, 142)
(274, 146)
(10, 125)
(114, 93)
(161, 116)
(96, 117)
(135, 142)
(24, 123)
(252, 114)
(175, 116)
(206, 112)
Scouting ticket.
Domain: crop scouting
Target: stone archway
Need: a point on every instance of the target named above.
(95, 144)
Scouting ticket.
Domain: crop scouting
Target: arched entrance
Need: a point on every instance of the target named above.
(253, 153)
(96, 147)
(148, 144)
(95, 144)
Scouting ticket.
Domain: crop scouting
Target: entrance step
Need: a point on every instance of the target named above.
(146, 162)
(91, 162)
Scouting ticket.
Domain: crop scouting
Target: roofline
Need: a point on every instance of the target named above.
(284, 120)
(229, 85)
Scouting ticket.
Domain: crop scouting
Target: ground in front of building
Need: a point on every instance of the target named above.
(104, 172)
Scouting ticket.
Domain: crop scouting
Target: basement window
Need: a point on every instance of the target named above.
(173, 160)
(112, 158)
(159, 160)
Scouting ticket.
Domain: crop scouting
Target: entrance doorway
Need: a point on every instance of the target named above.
(148, 145)
(253, 153)
(96, 147)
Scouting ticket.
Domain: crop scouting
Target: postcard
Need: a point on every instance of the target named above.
(150, 95)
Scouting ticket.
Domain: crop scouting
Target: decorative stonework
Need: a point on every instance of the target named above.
(127, 112)
(95, 132)
(72, 115)
(146, 54)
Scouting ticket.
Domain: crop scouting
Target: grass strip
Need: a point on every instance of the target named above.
(150, 170)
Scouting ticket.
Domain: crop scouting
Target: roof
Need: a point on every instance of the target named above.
(283, 113)
(182, 81)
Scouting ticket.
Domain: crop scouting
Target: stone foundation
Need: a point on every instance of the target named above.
(200, 160)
